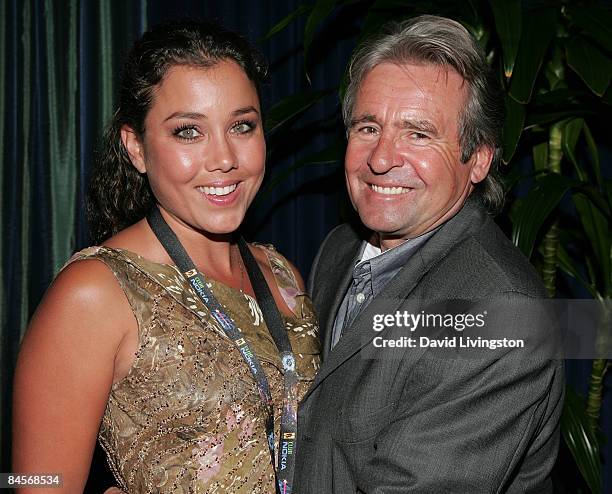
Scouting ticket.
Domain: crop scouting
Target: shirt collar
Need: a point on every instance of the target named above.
(382, 266)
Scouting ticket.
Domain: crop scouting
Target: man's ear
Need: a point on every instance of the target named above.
(481, 162)
(133, 146)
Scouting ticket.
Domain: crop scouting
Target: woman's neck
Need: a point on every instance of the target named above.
(213, 254)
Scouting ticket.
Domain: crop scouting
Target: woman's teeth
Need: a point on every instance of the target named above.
(219, 191)
(389, 190)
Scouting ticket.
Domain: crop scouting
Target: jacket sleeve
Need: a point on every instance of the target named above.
(314, 270)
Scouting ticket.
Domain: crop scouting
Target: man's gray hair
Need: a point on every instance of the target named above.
(429, 39)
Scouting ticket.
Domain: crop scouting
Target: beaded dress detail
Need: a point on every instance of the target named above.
(188, 417)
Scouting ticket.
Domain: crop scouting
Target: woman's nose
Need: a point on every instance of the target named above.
(221, 155)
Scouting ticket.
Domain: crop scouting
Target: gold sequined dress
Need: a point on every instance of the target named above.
(188, 417)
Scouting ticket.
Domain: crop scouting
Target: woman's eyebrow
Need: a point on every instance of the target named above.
(200, 116)
(190, 115)
(245, 110)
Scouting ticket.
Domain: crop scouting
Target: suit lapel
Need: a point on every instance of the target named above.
(397, 290)
(341, 278)
(361, 334)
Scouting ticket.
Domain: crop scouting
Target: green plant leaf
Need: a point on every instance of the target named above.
(568, 266)
(555, 68)
(595, 21)
(535, 208)
(321, 10)
(290, 107)
(480, 33)
(560, 104)
(581, 440)
(607, 186)
(592, 65)
(507, 15)
(571, 134)
(513, 177)
(593, 151)
(285, 21)
(538, 29)
(537, 119)
(599, 201)
(596, 228)
(513, 127)
(540, 156)
(607, 97)
(334, 153)
(560, 98)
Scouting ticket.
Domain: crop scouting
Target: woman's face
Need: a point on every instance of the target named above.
(203, 148)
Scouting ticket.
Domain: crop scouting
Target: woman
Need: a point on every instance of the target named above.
(163, 363)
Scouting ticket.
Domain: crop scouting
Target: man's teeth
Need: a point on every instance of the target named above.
(219, 191)
(389, 190)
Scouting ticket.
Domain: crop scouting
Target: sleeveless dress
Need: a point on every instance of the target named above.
(188, 417)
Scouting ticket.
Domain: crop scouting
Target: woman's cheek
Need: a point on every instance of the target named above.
(184, 165)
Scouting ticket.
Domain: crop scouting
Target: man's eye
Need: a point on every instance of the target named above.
(419, 136)
(187, 133)
(367, 129)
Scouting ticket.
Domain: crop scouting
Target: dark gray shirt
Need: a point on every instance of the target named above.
(370, 275)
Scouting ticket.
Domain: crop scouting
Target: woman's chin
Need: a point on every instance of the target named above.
(221, 228)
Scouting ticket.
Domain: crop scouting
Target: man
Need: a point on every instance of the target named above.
(424, 119)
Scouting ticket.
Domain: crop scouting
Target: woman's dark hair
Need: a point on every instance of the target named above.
(119, 195)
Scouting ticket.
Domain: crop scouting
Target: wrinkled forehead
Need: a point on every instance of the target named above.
(407, 84)
(418, 69)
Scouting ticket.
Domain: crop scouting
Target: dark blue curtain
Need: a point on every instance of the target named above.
(59, 64)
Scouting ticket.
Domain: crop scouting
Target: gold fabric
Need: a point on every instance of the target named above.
(188, 417)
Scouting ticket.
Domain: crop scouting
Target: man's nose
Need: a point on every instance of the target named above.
(383, 156)
(221, 155)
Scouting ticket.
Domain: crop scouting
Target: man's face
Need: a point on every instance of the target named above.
(403, 168)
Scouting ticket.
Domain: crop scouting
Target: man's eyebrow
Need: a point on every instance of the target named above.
(424, 125)
(365, 118)
(200, 116)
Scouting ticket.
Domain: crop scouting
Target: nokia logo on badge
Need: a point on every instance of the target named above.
(286, 450)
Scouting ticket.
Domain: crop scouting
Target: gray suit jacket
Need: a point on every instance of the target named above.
(380, 420)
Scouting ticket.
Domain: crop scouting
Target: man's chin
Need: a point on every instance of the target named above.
(384, 228)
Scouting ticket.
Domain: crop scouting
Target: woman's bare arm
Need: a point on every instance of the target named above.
(65, 371)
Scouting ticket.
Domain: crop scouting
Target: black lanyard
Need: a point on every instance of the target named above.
(286, 451)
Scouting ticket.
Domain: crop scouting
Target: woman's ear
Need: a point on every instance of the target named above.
(132, 144)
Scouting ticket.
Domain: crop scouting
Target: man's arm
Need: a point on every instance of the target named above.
(315, 264)
(479, 422)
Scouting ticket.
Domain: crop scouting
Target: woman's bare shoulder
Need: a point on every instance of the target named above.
(86, 303)
(88, 280)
